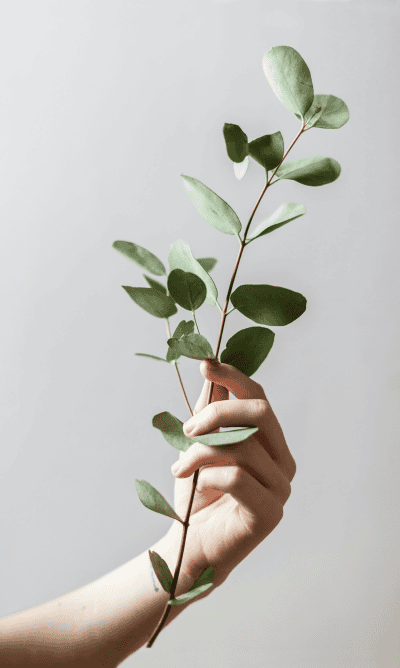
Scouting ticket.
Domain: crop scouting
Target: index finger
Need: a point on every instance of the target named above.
(240, 385)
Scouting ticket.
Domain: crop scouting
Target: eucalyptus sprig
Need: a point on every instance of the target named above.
(189, 284)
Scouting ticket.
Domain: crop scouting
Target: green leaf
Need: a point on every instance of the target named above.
(240, 168)
(153, 500)
(155, 284)
(290, 78)
(247, 349)
(153, 357)
(283, 215)
(236, 142)
(152, 301)
(206, 577)
(327, 112)
(268, 304)
(142, 257)
(180, 257)
(192, 593)
(183, 329)
(212, 207)
(226, 437)
(172, 430)
(162, 571)
(208, 263)
(268, 150)
(194, 346)
(172, 355)
(187, 289)
(316, 171)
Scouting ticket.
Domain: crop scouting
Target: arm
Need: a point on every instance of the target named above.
(239, 500)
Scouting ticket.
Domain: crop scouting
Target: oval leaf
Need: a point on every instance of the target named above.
(152, 301)
(208, 263)
(240, 168)
(247, 349)
(194, 346)
(156, 284)
(187, 289)
(162, 571)
(172, 355)
(226, 437)
(268, 150)
(283, 215)
(290, 78)
(153, 357)
(213, 208)
(327, 112)
(180, 257)
(153, 500)
(316, 171)
(172, 430)
(236, 142)
(142, 257)
(206, 577)
(192, 593)
(268, 304)
(183, 329)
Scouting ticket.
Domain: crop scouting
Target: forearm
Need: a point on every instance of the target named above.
(106, 620)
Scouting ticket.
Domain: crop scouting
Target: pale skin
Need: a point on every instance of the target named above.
(239, 500)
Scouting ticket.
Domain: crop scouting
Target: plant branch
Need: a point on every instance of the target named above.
(196, 473)
(195, 322)
(178, 374)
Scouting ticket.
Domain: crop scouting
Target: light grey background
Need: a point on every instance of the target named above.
(103, 106)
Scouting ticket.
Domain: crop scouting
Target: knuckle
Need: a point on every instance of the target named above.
(261, 408)
(215, 410)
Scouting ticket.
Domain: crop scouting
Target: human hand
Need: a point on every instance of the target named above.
(242, 488)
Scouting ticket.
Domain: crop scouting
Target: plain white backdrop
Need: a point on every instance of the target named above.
(103, 105)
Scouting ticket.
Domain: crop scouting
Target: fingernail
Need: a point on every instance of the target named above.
(175, 467)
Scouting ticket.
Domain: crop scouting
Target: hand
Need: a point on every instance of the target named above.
(241, 488)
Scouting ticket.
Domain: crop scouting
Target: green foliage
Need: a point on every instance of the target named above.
(236, 142)
(247, 349)
(212, 207)
(172, 355)
(202, 583)
(172, 430)
(316, 171)
(155, 284)
(153, 357)
(283, 215)
(187, 289)
(153, 500)
(327, 112)
(268, 304)
(290, 78)
(162, 571)
(194, 346)
(153, 301)
(267, 150)
(183, 329)
(208, 263)
(142, 257)
(180, 257)
(228, 437)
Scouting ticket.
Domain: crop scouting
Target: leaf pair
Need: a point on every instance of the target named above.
(266, 150)
(172, 430)
(290, 79)
(165, 578)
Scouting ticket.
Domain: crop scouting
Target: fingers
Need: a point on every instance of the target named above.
(240, 385)
(251, 456)
(258, 508)
(240, 413)
(219, 393)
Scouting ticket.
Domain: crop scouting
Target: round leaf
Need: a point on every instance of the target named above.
(268, 304)
(153, 500)
(267, 150)
(194, 346)
(142, 257)
(236, 142)
(290, 78)
(316, 171)
(283, 215)
(247, 349)
(187, 289)
(183, 329)
(213, 208)
(180, 257)
(172, 430)
(208, 263)
(153, 301)
(328, 112)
